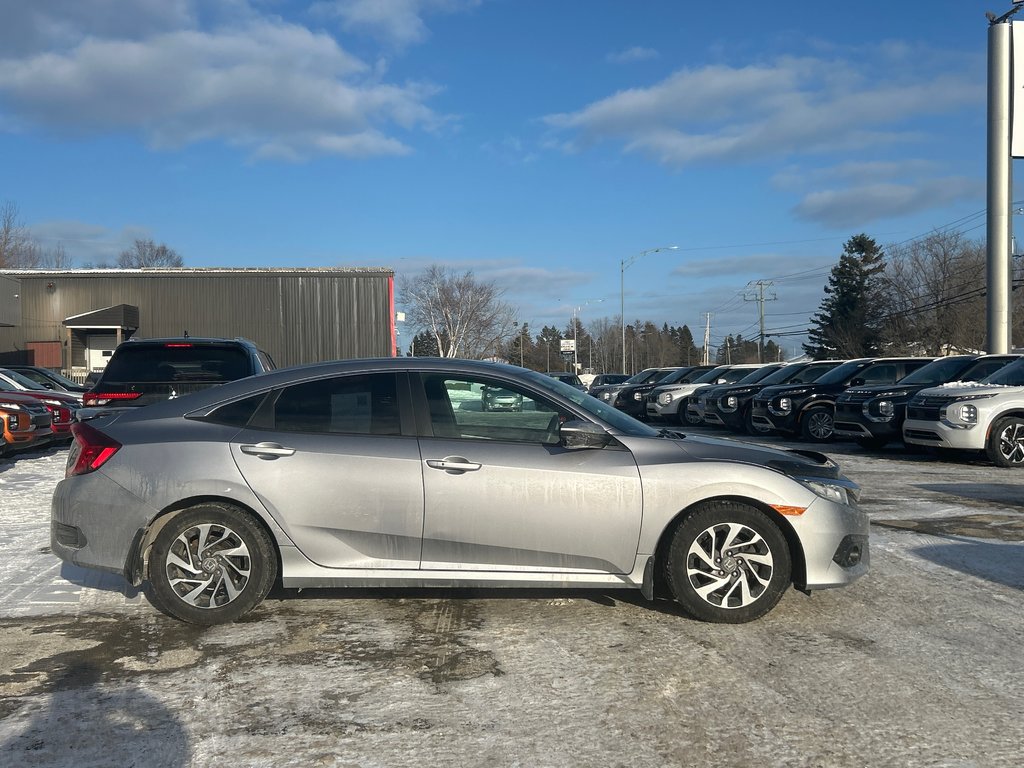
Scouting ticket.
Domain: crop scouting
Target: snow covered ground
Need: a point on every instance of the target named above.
(917, 664)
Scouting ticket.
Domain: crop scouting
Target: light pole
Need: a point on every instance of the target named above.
(622, 289)
(575, 334)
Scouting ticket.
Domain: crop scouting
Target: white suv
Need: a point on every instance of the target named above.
(982, 416)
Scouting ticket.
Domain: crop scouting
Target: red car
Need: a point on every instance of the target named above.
(62, 406)
(24, 422)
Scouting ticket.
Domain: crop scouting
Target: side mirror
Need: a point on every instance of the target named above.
(582, 434)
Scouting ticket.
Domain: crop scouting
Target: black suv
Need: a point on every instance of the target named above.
(730, 406)
(146, 371)
(874, 415)
(808, 410)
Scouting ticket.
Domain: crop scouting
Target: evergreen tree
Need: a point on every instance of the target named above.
(846, 324)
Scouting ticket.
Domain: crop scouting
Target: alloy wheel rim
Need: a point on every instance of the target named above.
(729, 565)
(208, 566)
(820, 425)
(1011, 443)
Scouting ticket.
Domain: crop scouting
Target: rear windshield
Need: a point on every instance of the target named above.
(177, 363)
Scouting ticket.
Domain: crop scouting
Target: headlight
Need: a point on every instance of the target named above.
(963, 413)
(879, 410)
(839, 493)
(665, 398)
(781, 406)
(638, 395)
(606, 395)
(731, 403)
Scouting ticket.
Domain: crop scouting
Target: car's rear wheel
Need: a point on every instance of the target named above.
(728, 563)
(1005, 445)
(817, 425)
(211, 564)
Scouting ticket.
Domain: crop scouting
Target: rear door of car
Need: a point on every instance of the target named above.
(502, 495)
(329, 460)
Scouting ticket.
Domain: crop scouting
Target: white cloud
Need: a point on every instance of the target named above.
(788, 107)
(87, 243)
(277, 89)
(399, 22)
(629, 55)
(854, 207)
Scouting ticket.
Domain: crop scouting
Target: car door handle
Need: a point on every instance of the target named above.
(267, 450)
(453, 464)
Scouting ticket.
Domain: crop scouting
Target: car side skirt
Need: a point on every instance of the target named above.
(298, 572)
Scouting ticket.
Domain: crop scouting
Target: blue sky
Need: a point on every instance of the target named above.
(536, 142)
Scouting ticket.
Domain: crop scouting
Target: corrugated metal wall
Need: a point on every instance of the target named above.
(298, 316)
(10, 303)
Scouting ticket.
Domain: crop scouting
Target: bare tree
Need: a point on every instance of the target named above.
(56, 258)
(145, 254)
(936, 290)
(465, 316)
(17, 248)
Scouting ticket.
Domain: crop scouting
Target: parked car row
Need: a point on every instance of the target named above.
(38, 406)
(963, 402)
(33, 415)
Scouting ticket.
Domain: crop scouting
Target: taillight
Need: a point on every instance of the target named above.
(90, 451)
(105, 398)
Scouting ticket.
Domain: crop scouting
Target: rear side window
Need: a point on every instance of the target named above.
(238, 413)
(364, 405)
(174, 362)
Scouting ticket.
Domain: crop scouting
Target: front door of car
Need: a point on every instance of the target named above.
(502, 495)
(328, 460)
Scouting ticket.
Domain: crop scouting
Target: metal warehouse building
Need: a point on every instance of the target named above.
(72, 319)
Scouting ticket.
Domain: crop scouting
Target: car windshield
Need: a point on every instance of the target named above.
(985, 367)
(758, 374)
(1010, 376)
(783, 374)
(62, 380)
(842, 373)
(813, 372)
(175, 362)
(938, 371)
(675, 376)
(606, 413)
(22, 381)
(708, 377)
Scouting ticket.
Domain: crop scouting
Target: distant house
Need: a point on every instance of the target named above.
(72, 319)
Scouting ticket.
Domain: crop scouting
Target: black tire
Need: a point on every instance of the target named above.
(872, 443)
(686, 418)
(752, 429)
(816, 424)
(1005, 444)
(233, 582)
(760, 584)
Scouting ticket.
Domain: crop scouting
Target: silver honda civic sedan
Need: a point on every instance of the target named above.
(395, 473)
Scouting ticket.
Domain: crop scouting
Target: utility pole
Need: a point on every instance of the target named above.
(760, 299)
(1001, 150)
(707, 338)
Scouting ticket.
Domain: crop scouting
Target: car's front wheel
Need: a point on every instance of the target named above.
(817, 424)
(211, 564)
(1005, 446)
(728, 563)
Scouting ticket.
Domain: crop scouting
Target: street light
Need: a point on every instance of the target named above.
(622, 290)
(575, 334)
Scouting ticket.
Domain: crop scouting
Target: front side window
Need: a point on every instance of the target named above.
(365, 404)
(880, 374)
(478, 408)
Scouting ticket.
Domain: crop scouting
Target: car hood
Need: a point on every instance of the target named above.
(792, 462)
(961, 388)
(686, 389)
(877, 389)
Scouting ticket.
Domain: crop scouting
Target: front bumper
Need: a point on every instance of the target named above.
(762, 417)
(828, 532)
(941, 435)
